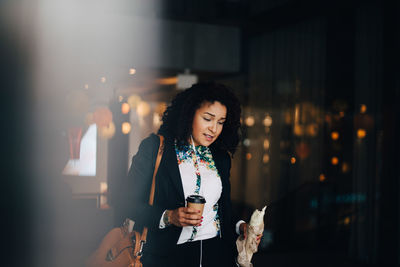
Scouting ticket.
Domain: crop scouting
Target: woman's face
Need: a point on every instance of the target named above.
(208, 122)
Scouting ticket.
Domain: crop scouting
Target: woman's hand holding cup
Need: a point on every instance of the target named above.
(185, 216)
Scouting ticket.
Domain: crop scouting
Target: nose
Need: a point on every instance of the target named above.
(213, 127)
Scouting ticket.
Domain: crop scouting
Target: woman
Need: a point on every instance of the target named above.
(201, 131)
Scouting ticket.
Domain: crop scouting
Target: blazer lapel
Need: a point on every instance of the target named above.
(173, 169)
(221, 167)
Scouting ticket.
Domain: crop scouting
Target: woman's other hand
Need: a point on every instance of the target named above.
(243, 232)
(185, 216)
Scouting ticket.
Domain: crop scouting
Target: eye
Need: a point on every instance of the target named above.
(221, 122)
(206, 119)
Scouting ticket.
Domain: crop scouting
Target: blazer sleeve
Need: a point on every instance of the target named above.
(136, 189)
(232, 214)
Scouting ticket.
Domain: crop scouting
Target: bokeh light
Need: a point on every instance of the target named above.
(361, 133)
(125, 108)
(363, 108)
(126, 127)
(143, 109)
(267, 121)
(249, 156)
(266, 158)
(335, 135)
(249, 121)
(132, 71)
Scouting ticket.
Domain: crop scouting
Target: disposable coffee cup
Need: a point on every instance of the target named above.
(196, 202)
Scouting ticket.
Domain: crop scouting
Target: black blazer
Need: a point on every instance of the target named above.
(168, 195)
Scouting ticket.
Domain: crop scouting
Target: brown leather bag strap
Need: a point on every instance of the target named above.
(158, 160)
(153, 184)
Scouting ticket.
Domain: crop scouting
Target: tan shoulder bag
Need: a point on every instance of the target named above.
(122, 247)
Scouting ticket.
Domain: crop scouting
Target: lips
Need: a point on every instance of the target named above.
(209, 137)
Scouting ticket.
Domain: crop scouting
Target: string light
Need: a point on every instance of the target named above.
(250, 121)
(361, 133)
(363, 108)
(266, 144)
(334, 161)
(125, 108)
(143, 109)
(249, 156)
(103, 79)
(267, 121)
(345, 167)
(322, 177)
(335, 135)
(266, 158)
(293, 160)
(126, 127)
(132, 71)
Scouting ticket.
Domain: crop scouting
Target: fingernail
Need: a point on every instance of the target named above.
(202, 217)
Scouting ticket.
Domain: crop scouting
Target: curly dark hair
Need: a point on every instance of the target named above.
(177, 119)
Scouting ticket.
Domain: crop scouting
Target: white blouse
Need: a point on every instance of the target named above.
(206, 183)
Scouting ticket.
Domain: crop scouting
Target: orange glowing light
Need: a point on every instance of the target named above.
(126, 127)
(312, 129)
(335, 161)
(322, 177)
(335, 135)
(345, 167)
(168, 81)
(132, 71)
(249, 156)
(341, 114)
(143, 109)
(125, 108)
(363, 108)
(298, 130)
(293, 160)
(346, 220)
(361, 133)
(266, 144)
(266, 158)
(250, 121)
(267, 121)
